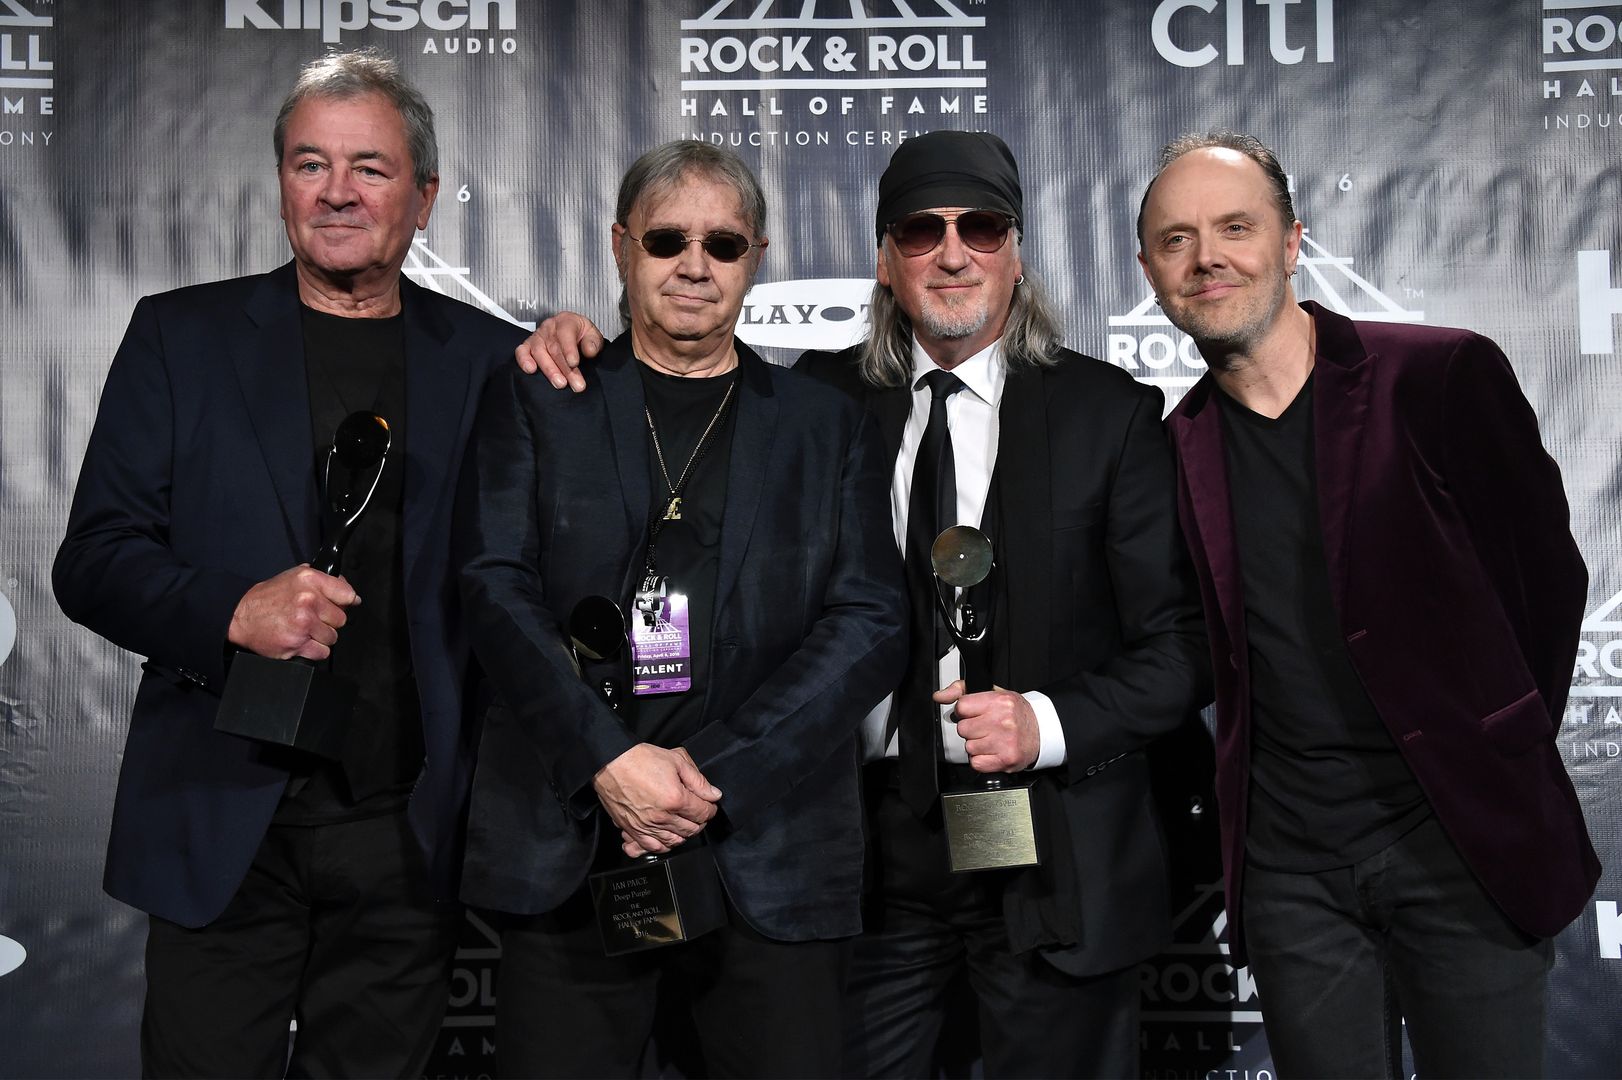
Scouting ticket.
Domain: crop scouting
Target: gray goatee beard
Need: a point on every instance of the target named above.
(955, 323)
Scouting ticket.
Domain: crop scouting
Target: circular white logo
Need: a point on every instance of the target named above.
(12, 955)
(8, 628)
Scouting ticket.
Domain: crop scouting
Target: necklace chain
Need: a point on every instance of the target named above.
(673, 507)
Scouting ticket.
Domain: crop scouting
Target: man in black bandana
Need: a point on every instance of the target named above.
(1062, 461)
(722, 504)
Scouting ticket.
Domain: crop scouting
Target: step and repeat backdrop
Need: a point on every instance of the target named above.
(1455, 162)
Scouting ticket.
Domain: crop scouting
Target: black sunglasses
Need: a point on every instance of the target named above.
(668, 243)
(919, 234)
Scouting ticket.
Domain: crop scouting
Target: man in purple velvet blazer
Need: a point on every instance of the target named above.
(1393, 598)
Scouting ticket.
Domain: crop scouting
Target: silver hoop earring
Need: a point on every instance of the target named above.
(1019, 281)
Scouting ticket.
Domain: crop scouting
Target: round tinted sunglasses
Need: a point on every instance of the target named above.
(720, 246)
(983, 230)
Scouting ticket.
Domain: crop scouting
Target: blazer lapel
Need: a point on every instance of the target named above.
(891, 408)
(437, 386)
(275, 390)
(1340, 409)
(1197, 426)
(621, 382)
(753, 430)
(1022, 486)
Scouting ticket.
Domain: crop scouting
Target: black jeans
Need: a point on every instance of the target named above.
(1343, 957)
(332, 926)
(759, 1008)
(925, 927)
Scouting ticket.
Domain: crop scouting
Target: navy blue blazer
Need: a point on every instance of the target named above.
(198, 483)
(809, 630)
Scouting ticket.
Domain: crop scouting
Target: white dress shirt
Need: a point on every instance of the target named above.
(972, 425)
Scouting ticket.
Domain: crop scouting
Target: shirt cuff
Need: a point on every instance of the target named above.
(1048, 727)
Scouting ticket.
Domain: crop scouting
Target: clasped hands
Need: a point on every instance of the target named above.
(656, 797)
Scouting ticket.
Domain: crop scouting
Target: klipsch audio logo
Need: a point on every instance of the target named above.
(1157, 353)
(27, 75)
(1592, 727)
(800, 73)
(453, 27)
(1598, 304)
(1193, 33)
(1582, 64)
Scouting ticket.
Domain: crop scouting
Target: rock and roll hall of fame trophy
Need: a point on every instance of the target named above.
(989, 824)
(296, 702)
(653, 900)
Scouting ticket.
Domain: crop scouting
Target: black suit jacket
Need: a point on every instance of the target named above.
(199, 482)
(809, 628)
(1098, 610)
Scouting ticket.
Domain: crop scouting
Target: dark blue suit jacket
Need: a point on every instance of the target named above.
(197, 483)
(809, 631)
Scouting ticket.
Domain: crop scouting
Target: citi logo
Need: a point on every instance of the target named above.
(1598, 304)
(814, 313)
(1188, 32)
(333, 17)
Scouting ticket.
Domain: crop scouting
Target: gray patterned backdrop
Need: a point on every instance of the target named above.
(1455, 161)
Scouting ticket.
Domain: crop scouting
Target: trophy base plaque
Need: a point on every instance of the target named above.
(286, 702)
(658, 900)
(990, 828)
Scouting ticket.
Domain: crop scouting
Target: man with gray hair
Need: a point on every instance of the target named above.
(1061, 460)
(722, 504)
(281, 884)
(1393, 598)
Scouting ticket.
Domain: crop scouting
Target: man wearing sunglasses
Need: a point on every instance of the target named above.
(689, 468)
(1394, 601)
(1062, 461)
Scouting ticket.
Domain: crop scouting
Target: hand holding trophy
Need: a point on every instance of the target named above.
(293, 702)
(989, 826)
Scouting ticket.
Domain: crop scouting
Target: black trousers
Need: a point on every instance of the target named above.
(925, 927)
(1343, 956)
(760, 1008)
(331, 928)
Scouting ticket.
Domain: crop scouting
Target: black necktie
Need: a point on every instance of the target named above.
(931, 508)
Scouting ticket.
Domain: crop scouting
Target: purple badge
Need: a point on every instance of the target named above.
(661, 653)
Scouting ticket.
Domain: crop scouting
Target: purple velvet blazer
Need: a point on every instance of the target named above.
(1458, 589)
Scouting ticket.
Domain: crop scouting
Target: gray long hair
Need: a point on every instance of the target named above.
(1031, 337)
(340, 76)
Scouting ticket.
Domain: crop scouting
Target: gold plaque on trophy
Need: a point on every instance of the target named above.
(990, 827)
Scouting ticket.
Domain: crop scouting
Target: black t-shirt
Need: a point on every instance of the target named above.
(1327, 784)
(688, 550)
(354, 365)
